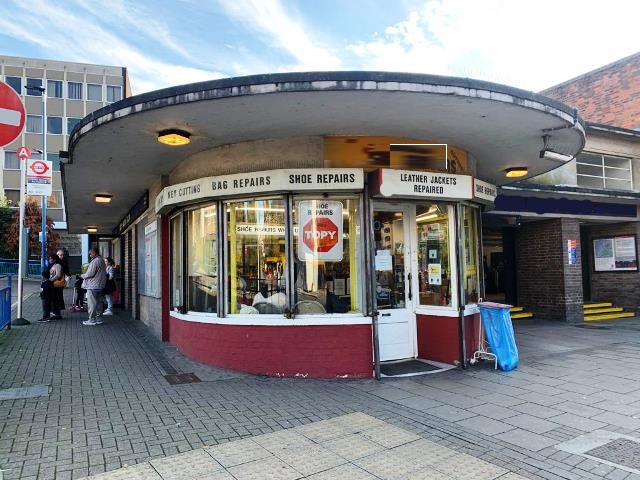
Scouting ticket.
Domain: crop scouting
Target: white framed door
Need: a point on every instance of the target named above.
(394, 272)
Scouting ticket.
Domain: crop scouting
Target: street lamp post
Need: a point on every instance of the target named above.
(43, 198)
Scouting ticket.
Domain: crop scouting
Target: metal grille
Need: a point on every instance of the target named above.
(182, 378)
(622, 451)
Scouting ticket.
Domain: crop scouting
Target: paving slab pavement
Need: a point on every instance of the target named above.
(109, 404)
(353, 446)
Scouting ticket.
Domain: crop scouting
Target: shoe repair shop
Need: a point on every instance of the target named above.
(311, 224)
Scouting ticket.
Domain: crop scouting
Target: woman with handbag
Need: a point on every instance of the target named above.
(56, 276)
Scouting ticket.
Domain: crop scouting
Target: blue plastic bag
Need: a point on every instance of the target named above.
(498, 330)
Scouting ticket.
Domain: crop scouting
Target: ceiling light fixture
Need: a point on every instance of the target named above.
(103, 197)
(516, 172)
(547, 152)
(174, 137)
(92, 229)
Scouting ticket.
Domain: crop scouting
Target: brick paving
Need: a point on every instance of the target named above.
(110, 406)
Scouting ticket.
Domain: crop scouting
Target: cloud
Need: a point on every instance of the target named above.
(283, 28)
(518, 43)
(57, 29)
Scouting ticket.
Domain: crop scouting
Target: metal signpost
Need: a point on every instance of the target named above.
(12, 120)
(23, 250)
(44, 196)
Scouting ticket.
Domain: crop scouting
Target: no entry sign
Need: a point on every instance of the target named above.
(12, 115)
(320, 230)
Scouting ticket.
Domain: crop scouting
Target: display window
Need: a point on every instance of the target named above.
(470, 249)
(328, 255)
(176, 262)
(434, 254)
(256, 262)
(202, 260)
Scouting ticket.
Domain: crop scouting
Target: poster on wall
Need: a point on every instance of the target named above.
(572, 252)
(320, 230)
(434, 272)
(616, 254)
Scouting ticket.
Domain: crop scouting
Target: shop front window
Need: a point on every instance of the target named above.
(434, 266)
(176, 261)
(326, 248)
(256, 256)
(470, 254)
(202, 260)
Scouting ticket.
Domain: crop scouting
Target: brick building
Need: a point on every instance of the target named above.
(609, 95)
(547, 238)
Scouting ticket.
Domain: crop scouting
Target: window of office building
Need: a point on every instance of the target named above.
(53, 201)
(71, 123)
(54, 125)
(54, 158)
(256, 256)
(434, 254)
(201, 243)
(114, 93)
(11, 161)
(34, 82)
(54, 88)
(74, 91)
(604, 172)
(94, 92)
(15, 83)
(34, 124)
(13, 197)
(327, 252)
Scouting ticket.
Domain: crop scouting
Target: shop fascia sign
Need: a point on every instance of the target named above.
(484, 192)
(415, 184)
(292, 180)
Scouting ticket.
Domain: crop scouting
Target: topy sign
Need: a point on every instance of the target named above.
(12, 115)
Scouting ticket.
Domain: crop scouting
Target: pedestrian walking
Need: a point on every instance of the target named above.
(110, 287)
(94, 281)
(56, 276)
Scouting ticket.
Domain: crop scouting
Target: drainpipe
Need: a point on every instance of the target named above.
(459, 270)
(370, 272)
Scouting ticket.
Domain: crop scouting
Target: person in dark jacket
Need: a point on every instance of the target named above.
(64, 261)
(46, 295)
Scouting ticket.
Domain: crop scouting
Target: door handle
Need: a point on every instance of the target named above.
(410, 292)
(385, 314)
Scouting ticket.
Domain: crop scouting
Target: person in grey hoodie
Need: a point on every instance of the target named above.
(94, 280)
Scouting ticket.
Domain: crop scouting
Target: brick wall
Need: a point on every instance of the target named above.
(621, 288)
(547, 284)
(609, 95)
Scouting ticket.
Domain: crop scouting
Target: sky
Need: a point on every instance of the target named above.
(522, 43)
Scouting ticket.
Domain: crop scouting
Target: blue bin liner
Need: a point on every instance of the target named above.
(498, 330)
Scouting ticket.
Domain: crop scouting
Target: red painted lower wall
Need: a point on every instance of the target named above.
(439, 337)
(316, 351)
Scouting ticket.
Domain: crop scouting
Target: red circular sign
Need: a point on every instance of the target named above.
(321, 235)
(39, 167)
(12, 115)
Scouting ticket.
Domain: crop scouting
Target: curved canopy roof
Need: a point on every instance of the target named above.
(115, 150)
